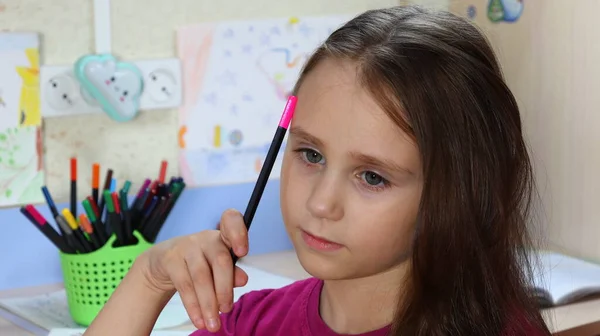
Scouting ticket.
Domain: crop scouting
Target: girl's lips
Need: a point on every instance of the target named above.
(318, 243)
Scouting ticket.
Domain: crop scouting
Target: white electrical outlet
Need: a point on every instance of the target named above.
(62, 95)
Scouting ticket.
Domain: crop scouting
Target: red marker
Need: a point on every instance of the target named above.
(42, 224)
(74, 186)
(163, 172)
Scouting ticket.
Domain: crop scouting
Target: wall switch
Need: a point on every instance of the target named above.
(61, 93)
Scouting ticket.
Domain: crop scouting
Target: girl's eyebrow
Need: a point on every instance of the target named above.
(361, 157)
(304, 135)
(380, 162)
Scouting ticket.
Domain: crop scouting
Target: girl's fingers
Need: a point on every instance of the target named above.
(202, 280)
(222, 273)
(240, 277)
(178, 272)
(234, 232)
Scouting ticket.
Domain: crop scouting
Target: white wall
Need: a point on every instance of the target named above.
(551, 61)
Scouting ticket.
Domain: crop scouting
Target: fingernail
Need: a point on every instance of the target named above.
(199, 322)
(240, 250)
(212, 323)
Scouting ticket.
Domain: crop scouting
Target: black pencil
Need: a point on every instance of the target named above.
(263, 176)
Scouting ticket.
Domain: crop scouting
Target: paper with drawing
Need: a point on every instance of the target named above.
(237, 77)
(21, 174)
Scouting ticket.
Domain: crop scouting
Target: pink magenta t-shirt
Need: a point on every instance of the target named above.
(288, 311)
(294, 311)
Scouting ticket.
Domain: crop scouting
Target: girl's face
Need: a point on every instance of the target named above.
(351, 179)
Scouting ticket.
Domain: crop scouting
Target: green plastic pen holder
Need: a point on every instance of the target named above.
(91, 278)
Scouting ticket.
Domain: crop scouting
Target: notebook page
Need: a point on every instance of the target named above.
(50, 311)
(562, 275)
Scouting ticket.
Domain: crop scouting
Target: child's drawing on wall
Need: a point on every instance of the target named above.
(21, 161)
(29, 103)
(237, 77)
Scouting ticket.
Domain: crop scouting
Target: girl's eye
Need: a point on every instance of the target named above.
(312, 156)
(373, 179)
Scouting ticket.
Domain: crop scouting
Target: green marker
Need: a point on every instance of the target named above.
(126, 187)
(97, 226)
(108, 201)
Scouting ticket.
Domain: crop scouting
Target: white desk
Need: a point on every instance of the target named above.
(581, 319)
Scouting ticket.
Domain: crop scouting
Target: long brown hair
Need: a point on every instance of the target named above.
(438, 79)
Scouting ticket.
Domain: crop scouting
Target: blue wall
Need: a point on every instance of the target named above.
(27, 258)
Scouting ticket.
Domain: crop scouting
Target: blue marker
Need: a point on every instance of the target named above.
(52, 207)
(50, 201)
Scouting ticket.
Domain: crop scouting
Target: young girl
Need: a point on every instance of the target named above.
(404, 188)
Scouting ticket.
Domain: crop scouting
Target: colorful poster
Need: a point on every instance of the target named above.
(21, 166)
(237, 77)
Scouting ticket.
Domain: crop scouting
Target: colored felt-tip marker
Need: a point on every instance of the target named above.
(92, 214)
(95, 182)
(263, 176)
(52, 207)
(107, 182)
(126, 187)
(72, 222)
(41, 224)
(163, 172)
(85, 224)
(74, 186)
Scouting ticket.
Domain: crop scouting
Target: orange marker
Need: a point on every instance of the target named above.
(95, 182)
(87, 228)
(74, 186)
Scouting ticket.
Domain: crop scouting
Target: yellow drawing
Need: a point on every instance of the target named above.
(29, 105)
(293, 20)
(217, 136)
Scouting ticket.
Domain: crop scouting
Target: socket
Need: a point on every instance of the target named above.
(62, 94)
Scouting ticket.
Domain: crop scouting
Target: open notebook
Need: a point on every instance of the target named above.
(562, 279)
(50, 311)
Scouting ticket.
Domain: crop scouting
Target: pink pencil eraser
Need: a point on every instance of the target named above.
(288, 112)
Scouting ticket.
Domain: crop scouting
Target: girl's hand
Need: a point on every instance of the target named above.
(199, 266)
